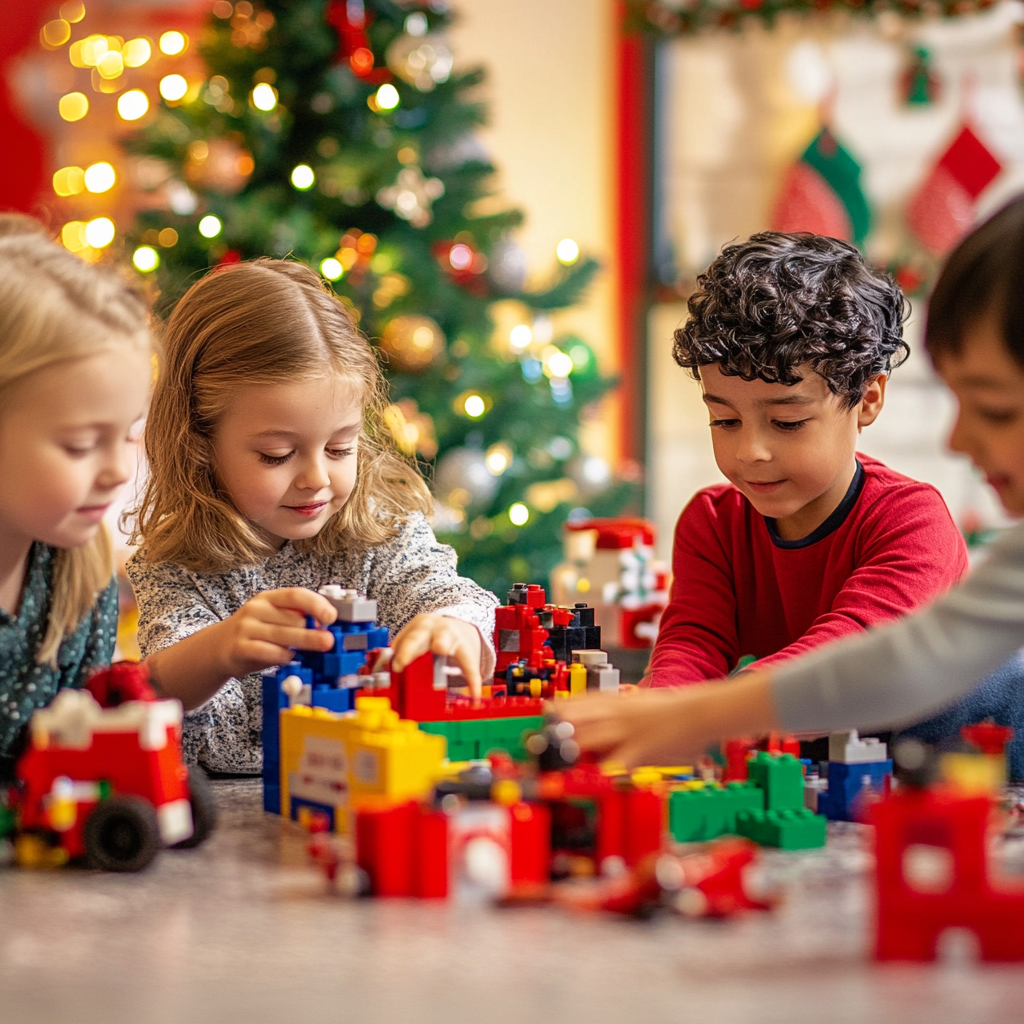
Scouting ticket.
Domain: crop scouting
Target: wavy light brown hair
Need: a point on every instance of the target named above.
(55, 308)
(261, 322)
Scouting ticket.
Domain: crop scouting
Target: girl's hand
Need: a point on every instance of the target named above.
(452, 638)
(671, 727)
(266, 629)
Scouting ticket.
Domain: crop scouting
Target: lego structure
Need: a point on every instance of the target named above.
(107, 783)
(611, 563)
(859, 770)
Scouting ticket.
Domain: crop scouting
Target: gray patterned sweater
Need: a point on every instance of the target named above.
(411, 574)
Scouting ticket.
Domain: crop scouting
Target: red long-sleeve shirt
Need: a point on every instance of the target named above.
(738, 589)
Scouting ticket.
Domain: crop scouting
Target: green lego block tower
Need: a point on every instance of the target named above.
(784, 822)
(781, 776)
(696, 815)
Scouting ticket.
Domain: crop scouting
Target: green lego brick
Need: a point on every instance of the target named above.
(781, 776)
(473, 738)
(696, 815)
(801, 829)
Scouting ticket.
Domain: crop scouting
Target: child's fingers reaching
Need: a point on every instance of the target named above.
(447, 637)
(302, 600)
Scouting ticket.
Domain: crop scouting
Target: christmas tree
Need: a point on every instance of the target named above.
(338, 133)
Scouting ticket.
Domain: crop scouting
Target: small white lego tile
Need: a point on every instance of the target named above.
(849, 748)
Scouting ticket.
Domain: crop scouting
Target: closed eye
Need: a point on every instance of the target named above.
(275, 460)
(789, 425)
(724, 423)
(340, 453)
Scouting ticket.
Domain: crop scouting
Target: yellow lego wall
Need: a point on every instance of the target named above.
(341, 761)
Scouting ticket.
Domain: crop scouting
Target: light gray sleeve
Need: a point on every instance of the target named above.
(171, 605)
(415, 573)
(904, 672)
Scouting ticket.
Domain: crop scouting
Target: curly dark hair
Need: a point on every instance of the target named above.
(778, 301)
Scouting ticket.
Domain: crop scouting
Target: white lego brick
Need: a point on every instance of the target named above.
(590, 658)
(849, 748)
(350, 605)
(603, 677)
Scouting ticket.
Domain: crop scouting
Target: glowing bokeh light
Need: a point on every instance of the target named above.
(136, 52)
(519, 514)
(146, 259)
(303, 177)
(173, 87)
(73, 106)
(99, 232)
(69, 181)
(331, 268)
(520, 337)
(173, 43)
(387, 97)
(132, 105)
(209, 226)
(264, 97)
(567, 251)
(474, 406)
(100, 177)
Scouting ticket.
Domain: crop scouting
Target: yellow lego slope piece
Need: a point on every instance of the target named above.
(341, 761)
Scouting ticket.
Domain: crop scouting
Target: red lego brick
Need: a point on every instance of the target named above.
(530, 840)
(988, 737)
(403, 848)
(911, 914)
(737, 754)
(643, 824)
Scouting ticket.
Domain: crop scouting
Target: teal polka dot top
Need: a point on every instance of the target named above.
(26, 686)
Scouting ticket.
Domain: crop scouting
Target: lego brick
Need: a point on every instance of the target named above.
(530, 842)
(849, 748)
(697, 815)
(910, 920)
(781, 776)
(473, 739)
(799, 829)
(846, 783)
(271, 797)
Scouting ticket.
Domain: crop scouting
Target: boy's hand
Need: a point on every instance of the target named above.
(671, 726)
(643, 728)
(452, 638)
(266, 629)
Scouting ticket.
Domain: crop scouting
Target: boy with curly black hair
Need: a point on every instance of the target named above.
(792, 338)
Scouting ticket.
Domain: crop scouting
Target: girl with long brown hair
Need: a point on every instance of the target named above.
(270, 476)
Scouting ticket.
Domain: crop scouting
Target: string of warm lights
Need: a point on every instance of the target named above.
(110, 60)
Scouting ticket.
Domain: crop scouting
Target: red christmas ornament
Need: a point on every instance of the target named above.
(941, 212)
(461, 261)
(350, 19)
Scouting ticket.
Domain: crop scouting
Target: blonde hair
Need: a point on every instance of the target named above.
(54, 308)
(261, 322)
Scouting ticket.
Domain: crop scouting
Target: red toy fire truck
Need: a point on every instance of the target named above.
(108, 782)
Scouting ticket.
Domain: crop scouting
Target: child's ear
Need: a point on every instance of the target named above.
(872, 402)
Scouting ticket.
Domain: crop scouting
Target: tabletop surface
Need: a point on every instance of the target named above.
(243, 929)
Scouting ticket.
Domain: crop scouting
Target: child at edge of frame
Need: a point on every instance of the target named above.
(271, 474)
(75, 370)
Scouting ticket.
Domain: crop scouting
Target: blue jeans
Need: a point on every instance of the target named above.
(999, 696)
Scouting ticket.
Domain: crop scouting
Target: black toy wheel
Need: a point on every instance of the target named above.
(204, 810)
(122, 834)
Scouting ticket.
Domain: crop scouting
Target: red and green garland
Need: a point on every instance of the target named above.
(679, 17)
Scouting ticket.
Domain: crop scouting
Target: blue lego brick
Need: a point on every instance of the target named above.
(333, 698)
(271, 797)
(845, 783)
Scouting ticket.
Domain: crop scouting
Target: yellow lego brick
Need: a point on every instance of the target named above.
(975, 774)
(342, 760)
(577, 678)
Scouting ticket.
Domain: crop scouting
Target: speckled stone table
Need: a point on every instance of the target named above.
(242, 930)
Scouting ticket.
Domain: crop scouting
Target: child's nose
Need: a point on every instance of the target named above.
(313, 476)
(752, 448)
(117, 469)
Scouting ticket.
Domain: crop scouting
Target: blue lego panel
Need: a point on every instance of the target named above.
(333, 699)
(297, 802)
(271, 797)
(845, 784)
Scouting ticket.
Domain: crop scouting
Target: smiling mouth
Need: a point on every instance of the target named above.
(308, 510)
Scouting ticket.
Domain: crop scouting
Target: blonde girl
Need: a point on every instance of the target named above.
(270, 476)
(74, 371)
